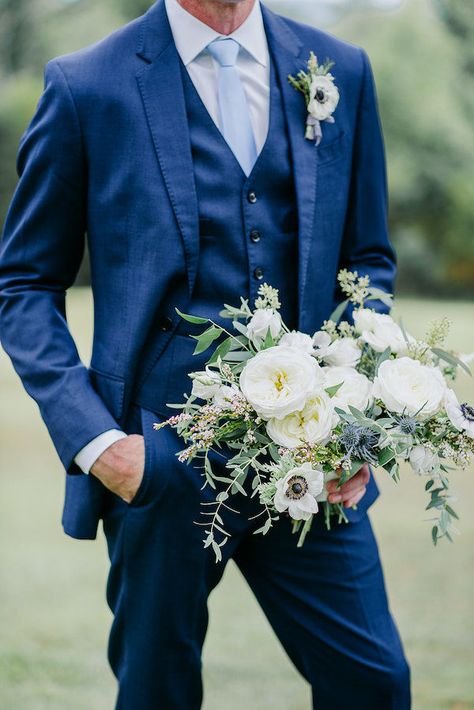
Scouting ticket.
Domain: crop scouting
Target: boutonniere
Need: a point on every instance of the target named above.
(321, 95)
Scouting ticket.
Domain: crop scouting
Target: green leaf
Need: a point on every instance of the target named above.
(385, 455)
(382, 357)
(452, 512)
(336, 315)
(205, 340)
(434, 534)
(221, 351)
(376, 294)
(451, 359)
(334, 389)
(192, 319)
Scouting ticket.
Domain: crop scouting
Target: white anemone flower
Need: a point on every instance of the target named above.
(323, 97)
(297, 492)
(461, 416)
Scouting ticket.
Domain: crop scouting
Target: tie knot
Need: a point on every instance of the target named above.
(225, 51)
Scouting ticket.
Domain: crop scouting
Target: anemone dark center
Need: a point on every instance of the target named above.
(467, 412)
(297, 487)
(321, 96)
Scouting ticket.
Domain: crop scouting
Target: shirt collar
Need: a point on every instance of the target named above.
(191, 36)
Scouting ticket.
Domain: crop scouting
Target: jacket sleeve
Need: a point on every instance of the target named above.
(366, 246)
(40, 254)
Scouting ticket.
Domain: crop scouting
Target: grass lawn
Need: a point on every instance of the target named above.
(54, 619)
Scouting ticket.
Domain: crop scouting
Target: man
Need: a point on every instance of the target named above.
(179, 146)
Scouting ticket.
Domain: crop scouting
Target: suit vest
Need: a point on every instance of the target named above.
(248, 236)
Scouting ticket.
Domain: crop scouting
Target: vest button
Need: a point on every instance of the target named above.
(258, 273)
(252, 197)
(165, 324)
(255, 235)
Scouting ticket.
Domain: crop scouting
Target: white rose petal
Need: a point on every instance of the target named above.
(277, 381)
(379, 331)
(423, 460)
(312, 425)
(343, 352)
(356, 389)
(296, 339)
(298, 490)
(205, 383)
(406, 386)
(262, 321)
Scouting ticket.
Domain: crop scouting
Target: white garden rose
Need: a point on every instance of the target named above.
(312, 425)
(205, 383)
(296, 339)
(423, 460)
(356, 389)
(343, 352)
(379, 331)
(323, 97)
(298, 490)
(262, 321)
(406, 386)
(460, 415)
(278, 381)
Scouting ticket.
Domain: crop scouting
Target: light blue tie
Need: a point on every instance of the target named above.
(234, 111)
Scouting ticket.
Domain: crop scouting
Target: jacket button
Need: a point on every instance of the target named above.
(252, 197)
(258, 273)
(165, 324)
(255, 235)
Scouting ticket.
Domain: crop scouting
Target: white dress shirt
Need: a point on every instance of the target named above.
(191, 37)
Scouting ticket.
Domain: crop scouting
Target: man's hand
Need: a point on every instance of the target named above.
(351, 492)
(120, 468)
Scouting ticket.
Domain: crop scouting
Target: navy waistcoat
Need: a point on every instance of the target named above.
(248, 236)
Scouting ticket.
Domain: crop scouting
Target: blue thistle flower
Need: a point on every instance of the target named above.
(359, 442)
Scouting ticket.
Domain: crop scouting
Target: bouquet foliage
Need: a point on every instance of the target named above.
(293, 411)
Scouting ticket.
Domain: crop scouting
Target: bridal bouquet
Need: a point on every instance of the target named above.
(293, 410)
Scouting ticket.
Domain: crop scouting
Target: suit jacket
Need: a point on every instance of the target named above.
(107, 155)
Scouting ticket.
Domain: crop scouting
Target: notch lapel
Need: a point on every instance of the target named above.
(285, 48)
(161, 88)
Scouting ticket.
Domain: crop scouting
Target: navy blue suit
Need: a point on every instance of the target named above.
(122, 149)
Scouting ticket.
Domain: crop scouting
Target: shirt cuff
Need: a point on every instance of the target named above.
(87, 456)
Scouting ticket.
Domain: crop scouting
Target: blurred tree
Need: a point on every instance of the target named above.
(16, 29)
(132, 8)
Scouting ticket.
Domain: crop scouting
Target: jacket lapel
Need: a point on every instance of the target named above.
(160, 84)
(285, 48)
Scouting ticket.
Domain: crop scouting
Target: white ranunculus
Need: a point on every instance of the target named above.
(205, 383)
(356, 389)
(323, 97)
(460, 415)
(312, 425)
(423, 460)
(379, 331)
(406, 386)
(342, 352)
(298, 490)
(225, 395)
(296, 339)
(277, 381)
(262, 321)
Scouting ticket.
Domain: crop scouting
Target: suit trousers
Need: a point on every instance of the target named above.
(326, 601)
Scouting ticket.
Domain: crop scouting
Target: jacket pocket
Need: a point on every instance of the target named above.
(111, 389)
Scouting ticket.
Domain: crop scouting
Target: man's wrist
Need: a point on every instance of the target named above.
(88, 455)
